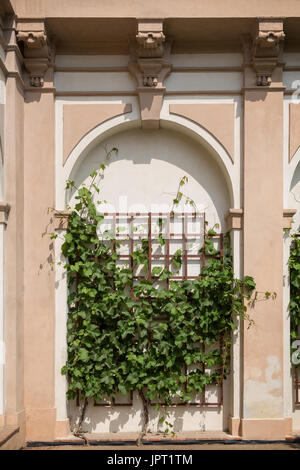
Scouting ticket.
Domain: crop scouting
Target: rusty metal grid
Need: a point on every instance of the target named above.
(202, 401)
(114, 402)
(183, 236)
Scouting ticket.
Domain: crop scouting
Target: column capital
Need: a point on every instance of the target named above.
(288, 215)
(234, 219)
(37, 50)
(263, 50)
(61, 220)
(4, 212)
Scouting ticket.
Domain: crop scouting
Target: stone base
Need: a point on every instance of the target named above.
(12, 433)
(263, 429)
(40, 424)
(62, 429)
(271, 429)
(234, 426)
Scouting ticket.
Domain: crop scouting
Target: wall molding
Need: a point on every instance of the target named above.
(4, 212)
(288, 215)
(234, 219)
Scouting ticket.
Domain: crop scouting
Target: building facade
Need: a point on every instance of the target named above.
(207, 89)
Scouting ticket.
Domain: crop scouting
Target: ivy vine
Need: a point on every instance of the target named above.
(294, 266)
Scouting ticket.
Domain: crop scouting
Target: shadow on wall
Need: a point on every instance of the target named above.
(101, 419)
(149, 166)
(295, 197)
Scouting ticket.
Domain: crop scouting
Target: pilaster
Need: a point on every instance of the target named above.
(262, 357)
(39, 283)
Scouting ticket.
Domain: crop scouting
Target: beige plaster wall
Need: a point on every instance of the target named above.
(35, 181)
(165, 8)
(263, 259)
(14, 253)
(38, 255)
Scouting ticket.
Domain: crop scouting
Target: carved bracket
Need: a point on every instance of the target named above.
(234, 219)
(36, 55)
(267, 41)
(288, 215)
(33, 40)
(150, 65)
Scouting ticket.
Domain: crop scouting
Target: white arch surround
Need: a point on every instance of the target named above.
(293, 166)
(289, 171)
(130, 121)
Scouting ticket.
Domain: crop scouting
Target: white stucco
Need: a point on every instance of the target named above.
(86, 81)
(128, 419)
(207, 60)
(177, 60)
(204, 81)
(151, 164)
(92, 60)
(291, 59)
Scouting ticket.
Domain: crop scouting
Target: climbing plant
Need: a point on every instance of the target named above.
(294, 266)
(124, 336)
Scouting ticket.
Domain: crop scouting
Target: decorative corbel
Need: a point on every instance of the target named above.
(150, 65)
(267, 43)
(36, 55)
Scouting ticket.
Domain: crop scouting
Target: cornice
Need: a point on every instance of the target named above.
(263, 50)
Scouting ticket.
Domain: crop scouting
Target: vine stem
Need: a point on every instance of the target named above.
(78, 429)
(145, 415)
